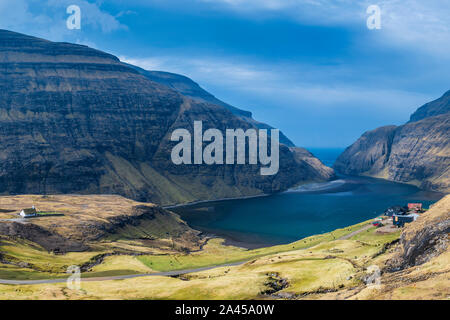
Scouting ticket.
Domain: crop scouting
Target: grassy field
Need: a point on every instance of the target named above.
(33, 262)
(215, 253)
(326, 266)
(340, 263)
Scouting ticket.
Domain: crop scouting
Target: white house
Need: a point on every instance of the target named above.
(27, 213)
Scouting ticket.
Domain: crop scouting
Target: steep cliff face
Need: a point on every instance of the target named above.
(188, 88)
(191, 89)
(417, 152)
(369, 153)
(77, 120)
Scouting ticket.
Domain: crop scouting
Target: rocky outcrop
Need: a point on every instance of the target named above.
(50, 241)
(77, 120)
(369, 154)
(417, 152)
(311, 165)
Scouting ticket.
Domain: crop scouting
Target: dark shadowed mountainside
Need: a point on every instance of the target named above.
(188, 88)
(77, 120)
(191, 89)
(417, 152)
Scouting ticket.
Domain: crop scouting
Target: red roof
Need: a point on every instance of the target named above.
(414, 205)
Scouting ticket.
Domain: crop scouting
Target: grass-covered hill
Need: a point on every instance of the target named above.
(414, 262)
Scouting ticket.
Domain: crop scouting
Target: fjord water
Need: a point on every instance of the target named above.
(301, 212)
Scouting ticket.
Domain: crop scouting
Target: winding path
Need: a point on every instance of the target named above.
(348, 236)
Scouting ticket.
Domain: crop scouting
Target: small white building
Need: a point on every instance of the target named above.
(27, 213)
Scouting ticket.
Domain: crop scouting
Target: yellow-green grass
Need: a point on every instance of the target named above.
(215, 253)
(237, 286)
(312, 267)
(340, 263)
(371, 235)
(120, 265)
(39, 259)
(11, 272)
(132, 246)
(160, 227)
(335, 260)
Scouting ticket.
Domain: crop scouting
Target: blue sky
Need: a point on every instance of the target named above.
(309, 67)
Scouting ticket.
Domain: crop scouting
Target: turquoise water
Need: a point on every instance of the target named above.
(308, 210)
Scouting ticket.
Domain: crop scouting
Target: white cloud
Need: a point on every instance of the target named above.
(424, 25)
(418, 24)
(225, 71)
(318, 12)
(288, 87)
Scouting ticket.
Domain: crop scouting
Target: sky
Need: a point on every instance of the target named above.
(311, 68)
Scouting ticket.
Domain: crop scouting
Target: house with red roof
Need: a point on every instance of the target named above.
(416, 207)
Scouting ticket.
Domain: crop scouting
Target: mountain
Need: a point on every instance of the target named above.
(416, 153)
(78, 120)
(434, 108)
(188, 88)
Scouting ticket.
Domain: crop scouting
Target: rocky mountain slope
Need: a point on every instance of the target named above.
(77, 120)
(417, 152)
(191, 89)
(424, 239)
(188, 88)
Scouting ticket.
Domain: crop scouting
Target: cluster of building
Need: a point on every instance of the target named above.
(401, 215)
